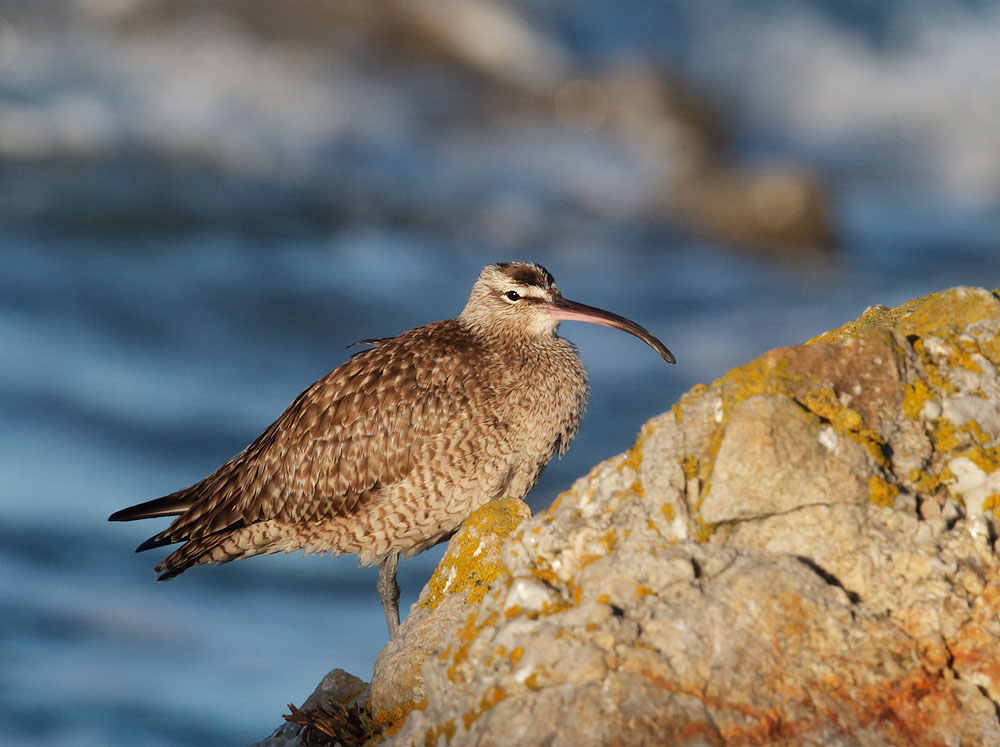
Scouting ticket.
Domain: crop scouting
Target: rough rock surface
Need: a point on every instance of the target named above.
(473, 560)
(803, 552)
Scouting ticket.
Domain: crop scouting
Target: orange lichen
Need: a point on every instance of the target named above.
(944, 436)
(823, 401)
(633, 457)
(704, 530)
(966, 440)
(609, 541)
(466, 635)
(963, 355)
(678, 412)
(873, 318)
(491, 697)
(973, 429)
(391, 720)
(547, 575)
(924, 482)
(931, 372)
(938, 312)
(433, 735)
(768, 375)
(992, 503)
(882, 493)
(988, 460)
(914, 398)
(948, 311)
(690, 466)
(513, 611)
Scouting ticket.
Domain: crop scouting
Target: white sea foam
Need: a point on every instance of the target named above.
(923, 104)
(921, 107)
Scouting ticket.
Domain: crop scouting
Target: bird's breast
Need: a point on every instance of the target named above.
(538, 404)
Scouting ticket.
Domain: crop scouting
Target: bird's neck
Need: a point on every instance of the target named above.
(500, 337)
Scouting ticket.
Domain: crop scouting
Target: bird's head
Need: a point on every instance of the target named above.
(520, 299)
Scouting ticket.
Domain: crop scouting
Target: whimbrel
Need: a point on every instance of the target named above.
(390, 452)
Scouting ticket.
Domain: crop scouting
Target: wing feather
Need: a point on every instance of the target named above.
(353, 432)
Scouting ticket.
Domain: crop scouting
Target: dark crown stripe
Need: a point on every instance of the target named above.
(527, 274)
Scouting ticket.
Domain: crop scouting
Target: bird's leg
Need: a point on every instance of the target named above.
(388, 590)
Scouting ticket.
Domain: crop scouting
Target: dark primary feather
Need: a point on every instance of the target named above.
(169, 505)
(353, 431)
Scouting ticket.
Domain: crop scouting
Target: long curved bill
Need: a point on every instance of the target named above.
(564, 309)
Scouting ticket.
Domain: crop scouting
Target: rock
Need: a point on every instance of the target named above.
(471, 563)
(682, 136)
(779, 209)
(337, 686)
(801, 553)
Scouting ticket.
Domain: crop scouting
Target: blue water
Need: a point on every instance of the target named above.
(184, 247)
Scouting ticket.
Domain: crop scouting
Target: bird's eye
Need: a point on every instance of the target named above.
(512, 295)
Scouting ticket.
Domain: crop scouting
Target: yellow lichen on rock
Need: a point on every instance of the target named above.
(434, 733)
(844, 549)
(491, 697)
(391, 719)
(987, 459)
(633, 457)
(690, 466)
(704, 530)
(937, 378)
(914, 398)
(873, 318)
(823, 402)
(467, 569)
(882, 493)
(945, 436)
(948, 311)
(924, 482)
(992, 503)
(465, 637)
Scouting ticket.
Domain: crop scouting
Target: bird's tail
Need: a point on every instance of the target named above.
(174, 504)
(191, 553)
(169, 505)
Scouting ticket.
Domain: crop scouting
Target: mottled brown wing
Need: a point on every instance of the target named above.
(354, 431)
